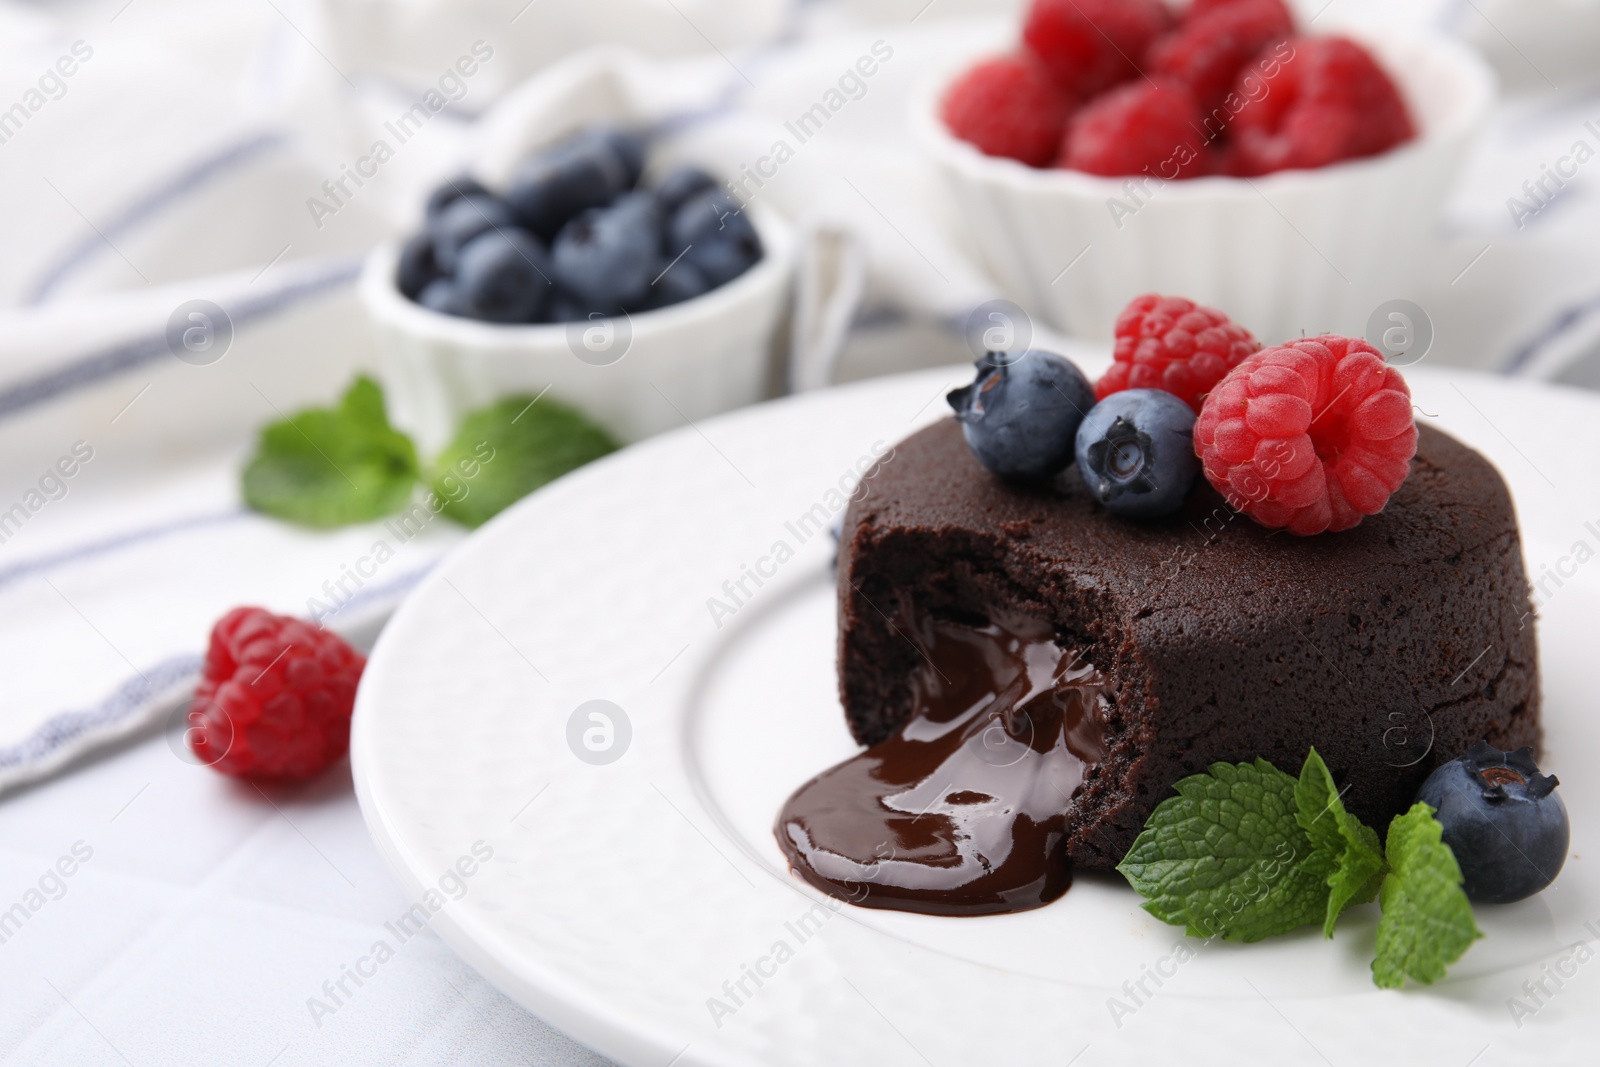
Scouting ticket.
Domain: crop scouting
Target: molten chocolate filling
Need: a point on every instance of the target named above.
(963, 810)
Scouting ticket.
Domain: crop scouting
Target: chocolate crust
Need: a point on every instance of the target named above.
(1392, 647)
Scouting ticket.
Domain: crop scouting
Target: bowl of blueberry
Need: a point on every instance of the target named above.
(643, 295)
(1222, 148)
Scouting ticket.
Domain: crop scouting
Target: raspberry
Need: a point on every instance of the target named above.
(1311, 435)
(1138, 128)
(1214, 43)
(1091, 45)
(1009, 106)
(275, 697)
(1206, 7)
(1167, 342)
(1328, 101)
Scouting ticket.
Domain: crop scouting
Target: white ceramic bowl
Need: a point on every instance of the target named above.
(636, 376)
(1307, 250)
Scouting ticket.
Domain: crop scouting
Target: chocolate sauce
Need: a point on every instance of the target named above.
(962, 811)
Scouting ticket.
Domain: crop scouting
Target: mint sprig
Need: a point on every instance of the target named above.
(327, 467)
(1244, 851)
(1427, 920)
(1346, 841)
(505, 451)
(1226, 857)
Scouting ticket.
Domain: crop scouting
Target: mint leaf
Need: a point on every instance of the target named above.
(505, 451)
(327, 467)
(1349, 844)
(1227, 856)
(1427, 920)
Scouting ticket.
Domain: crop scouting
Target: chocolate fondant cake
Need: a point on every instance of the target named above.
(1115, 657)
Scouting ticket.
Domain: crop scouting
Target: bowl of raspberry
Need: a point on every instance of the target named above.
(1220, 148)
(642, 295)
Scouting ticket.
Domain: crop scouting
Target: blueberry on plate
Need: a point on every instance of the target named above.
(713, 233)
(588, 170)
(1503, 820)
(451, 190)
(1136, 452)
(460, 222)
(1020, 415)
(504, 276)
(441, 295)
(607, 257)
(416, 267)
(679, 184)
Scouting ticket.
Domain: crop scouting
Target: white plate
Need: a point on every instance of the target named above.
(621, 898)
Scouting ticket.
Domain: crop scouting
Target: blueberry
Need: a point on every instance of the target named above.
(452, 190)
(607, 257)
(504, 276)
(1021, 414)
(416, 267)
(441, 295)
(563, 307)
(586, 171)
(1136, 452)
(679, 184)
(712, 232)
(1503, 820)
(682, 281)
(460, 222)
(626, 147)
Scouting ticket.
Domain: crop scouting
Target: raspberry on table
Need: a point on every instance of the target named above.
(1138, 128)
(1328, 101)
(274, 698)
(1213, 44)
(1009, 106)
(1091, 45)
(1308, 436)
(1170, 343)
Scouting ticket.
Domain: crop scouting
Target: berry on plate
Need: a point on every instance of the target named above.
(1136, 452)
(1009, 106)
(1215, 42)
(1091, 45)
(1020, 416)
(1168, 342)
(1309, 436)
(1328, 101)
(1139, 128)
(1503, 820)
(274, 698)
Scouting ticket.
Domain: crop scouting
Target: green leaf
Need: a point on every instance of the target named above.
(1427, 920)
(1227, 857)
(326, 467)
(505, 451)
(1350, 845)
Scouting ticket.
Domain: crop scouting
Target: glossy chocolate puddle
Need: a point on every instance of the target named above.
(962, 811)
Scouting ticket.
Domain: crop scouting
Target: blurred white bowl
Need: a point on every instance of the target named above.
(636, 376)
(1306, 250)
